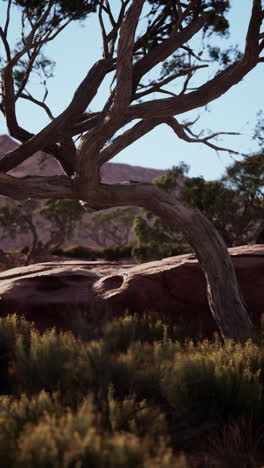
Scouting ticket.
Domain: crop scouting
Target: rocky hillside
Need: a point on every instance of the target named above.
(43, 164)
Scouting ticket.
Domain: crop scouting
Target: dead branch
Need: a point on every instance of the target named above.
(42, 104)
(181, 129)
(127, 138)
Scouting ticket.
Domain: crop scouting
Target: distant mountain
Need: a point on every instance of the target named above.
(43, 164)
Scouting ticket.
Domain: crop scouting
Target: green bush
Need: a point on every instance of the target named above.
(77, 251)
(117, 252)
(157, 251)
(136, 396)
(142, 253)
(85, 253)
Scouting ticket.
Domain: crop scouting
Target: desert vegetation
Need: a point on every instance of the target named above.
(146, 47)
(138, 393)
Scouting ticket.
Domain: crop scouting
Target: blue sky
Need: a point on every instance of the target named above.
(79, 46)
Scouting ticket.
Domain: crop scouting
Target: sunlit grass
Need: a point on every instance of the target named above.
(140, 395)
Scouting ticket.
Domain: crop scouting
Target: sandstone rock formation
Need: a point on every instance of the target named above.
(72, 295)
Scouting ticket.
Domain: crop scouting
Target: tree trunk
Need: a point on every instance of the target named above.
(224, 297)
(225, 301)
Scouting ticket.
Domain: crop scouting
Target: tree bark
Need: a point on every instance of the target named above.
(224, 298)
(225, 301)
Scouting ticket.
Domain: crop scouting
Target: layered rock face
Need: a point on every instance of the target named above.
(72, 295)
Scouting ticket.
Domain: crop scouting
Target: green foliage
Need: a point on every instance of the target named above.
(216, 201)
(156, 251)
(17, 219)
(224, 57)
(110, 253)
(247, 177)
(156, 238)
(131, 397)
(233, 204)
(65, 219)
(111, 227)
(116, 252)
(170, 179)
(77, 251)
(70, 9)
(259, 129)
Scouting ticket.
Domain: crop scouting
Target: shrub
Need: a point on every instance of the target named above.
(157, 251)
(77, 251)
(117, 252)
(128, 398)
(110, 253)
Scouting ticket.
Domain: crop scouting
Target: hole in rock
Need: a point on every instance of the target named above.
(113, 282)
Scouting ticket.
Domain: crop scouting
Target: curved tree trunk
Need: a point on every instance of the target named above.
(224, 297)
(223, 293)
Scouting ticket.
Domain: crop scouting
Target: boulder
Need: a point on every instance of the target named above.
(72, 295)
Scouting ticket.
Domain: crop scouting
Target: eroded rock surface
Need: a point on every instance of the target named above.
(69, 294)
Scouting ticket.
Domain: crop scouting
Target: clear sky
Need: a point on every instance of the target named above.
(79, 46)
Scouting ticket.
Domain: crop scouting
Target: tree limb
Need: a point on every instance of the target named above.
(124, 66)
(36, 187)
(51, 133)
(7, 17)
(159, 84)
(215, 87)
(127, 138)
(180, 130)
(164, 50)
(42, 104)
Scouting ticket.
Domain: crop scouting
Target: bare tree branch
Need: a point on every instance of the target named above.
(180, 130)
(165, 49)
(92, 121)
(103, 31)
(124, 66)
(30, 37)
(127, 138)
(159, 84)
(49, 135)
(7, 17)
(36, 187)
(6, 45)
(42, 104)
(28, 71)
(112, 36)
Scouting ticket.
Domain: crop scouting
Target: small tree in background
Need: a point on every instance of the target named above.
(246, 178)
(220, 204)
(65, 220)
(112, 227)
(234, 204)
(155, 237)
(19, 219)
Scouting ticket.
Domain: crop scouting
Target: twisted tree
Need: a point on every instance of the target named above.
(147, 46)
